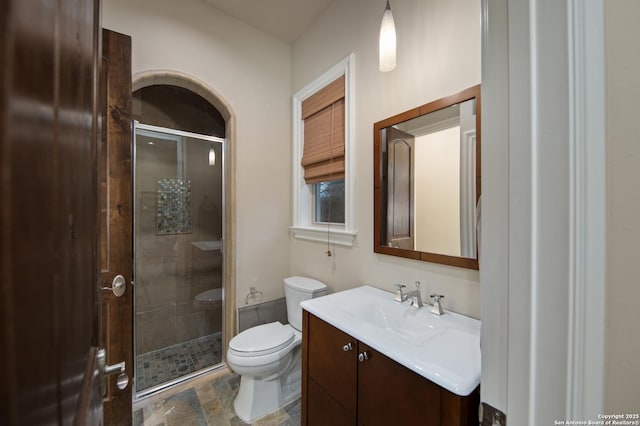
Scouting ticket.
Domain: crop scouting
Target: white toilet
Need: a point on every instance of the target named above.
(267, 357)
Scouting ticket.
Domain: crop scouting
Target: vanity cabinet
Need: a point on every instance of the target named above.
(345, 382)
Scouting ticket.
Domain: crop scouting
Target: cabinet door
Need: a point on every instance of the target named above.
(323, 410)
(391, 394)
(332, 366)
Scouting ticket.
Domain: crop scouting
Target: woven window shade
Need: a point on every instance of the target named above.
(323, 115)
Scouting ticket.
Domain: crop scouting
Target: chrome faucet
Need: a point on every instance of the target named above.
(437, 307)
(415, 297)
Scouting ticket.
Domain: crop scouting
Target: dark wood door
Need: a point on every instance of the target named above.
(389, 393)
(116, 218)
(400, 181)
(49, 300)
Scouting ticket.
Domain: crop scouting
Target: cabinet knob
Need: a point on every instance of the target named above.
(363, 356)
(347, 347)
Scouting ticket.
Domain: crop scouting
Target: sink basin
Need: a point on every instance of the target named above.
(394, 318)
(444, 349)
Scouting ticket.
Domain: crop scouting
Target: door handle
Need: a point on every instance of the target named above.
(363, 356)
(118, 286)
(105, 370)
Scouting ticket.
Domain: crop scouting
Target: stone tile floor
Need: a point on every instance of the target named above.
(205, 401)
(166, 364)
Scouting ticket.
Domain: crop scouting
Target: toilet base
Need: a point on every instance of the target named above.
(257, 398)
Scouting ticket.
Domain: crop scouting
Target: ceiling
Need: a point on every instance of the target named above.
(285, 19)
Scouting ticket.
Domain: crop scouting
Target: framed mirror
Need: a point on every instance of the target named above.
(427, 181)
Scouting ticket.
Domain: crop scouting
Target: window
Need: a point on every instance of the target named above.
(323, 158)
(329, 202)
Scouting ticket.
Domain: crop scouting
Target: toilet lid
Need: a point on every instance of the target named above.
(262, 339)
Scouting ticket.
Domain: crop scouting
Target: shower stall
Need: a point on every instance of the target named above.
(178, 229)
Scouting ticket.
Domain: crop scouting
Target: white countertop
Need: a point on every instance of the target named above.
(444, 349)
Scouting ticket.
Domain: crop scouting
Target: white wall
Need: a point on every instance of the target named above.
(251, 71)
(438, 55)
(622, 368)
(437, 168)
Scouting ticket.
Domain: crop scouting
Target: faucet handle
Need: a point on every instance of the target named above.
(437, 307)
(400, 296)
(418, 285)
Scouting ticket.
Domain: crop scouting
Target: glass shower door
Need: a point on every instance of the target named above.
(178, 228)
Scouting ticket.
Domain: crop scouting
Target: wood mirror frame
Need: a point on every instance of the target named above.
(380, 190)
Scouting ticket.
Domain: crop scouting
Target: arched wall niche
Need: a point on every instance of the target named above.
(185, 81)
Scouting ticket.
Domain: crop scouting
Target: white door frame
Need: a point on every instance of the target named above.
(543, 290)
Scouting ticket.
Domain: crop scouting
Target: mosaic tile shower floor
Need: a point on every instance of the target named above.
(205, 401)
(166, 364)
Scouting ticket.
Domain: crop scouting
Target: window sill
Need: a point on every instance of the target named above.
(336, 236)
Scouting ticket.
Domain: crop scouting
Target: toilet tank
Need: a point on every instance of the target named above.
(296, 290)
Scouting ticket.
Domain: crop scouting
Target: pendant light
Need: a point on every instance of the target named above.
(387, 41)
(212, 157)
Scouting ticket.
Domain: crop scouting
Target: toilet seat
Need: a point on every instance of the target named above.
(261, 340)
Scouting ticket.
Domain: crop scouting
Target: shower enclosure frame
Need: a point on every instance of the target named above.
(153, 131)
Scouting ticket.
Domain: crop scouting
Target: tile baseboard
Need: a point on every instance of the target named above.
(262, 313)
